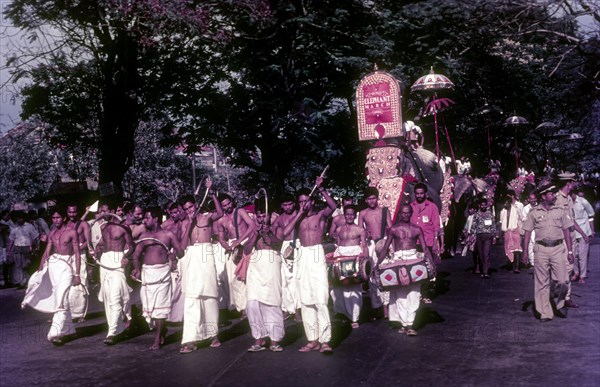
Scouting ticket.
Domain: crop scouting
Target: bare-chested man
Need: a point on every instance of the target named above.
(155, 273)
(78, 294)
(376, 220)
(136, 224)
(234, 228)
(351, 241)
(64, 264)
(175, 221)
(311, 274)
(289, 302)
(339, 217)
(263, 280)
(404, 301)
(198, 275)
(113, 250)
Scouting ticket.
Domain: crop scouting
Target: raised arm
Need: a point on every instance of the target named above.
(331, 204)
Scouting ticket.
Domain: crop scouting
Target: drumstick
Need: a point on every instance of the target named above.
(322, 175)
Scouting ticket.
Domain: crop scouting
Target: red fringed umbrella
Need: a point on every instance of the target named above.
(437, 105)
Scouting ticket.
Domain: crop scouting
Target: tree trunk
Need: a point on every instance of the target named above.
(119, 119)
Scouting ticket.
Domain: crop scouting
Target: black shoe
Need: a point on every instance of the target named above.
(110, 340)
(562, 312)
(571, 304)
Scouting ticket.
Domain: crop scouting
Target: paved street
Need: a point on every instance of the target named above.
(476, 332)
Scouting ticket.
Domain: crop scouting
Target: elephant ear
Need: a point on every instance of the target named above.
(462, 185)
(426, 168)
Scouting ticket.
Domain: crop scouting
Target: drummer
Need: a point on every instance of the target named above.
(404, 301)
(351, 242)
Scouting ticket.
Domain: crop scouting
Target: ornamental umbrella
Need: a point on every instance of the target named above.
(433, 82)
(516, 121)
(487, 110)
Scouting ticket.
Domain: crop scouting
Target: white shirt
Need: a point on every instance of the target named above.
(584, 213)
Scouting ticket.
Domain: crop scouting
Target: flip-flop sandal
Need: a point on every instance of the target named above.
(215, 344)
(256, 348)
(326, 349)
(310, 348)
(276, 348)
(188, 348)
(411, 332)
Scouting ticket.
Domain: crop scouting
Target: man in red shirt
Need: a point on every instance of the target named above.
(427, 216)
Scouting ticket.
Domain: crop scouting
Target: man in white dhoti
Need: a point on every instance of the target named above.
(113, 250)
(311, 274)
(263, 286)
(376, 220)
(289, 295)
(153, 252)
(56, 273)
(404, 301)
(351, 242)
(234, 228)
(199, 276)
(78, 295)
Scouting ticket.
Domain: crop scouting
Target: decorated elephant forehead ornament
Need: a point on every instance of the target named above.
(379, 108)
(382, 162)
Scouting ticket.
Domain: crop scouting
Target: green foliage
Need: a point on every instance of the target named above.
(273, 86)
(29, 167)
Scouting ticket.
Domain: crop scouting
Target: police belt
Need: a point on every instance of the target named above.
(547, 243)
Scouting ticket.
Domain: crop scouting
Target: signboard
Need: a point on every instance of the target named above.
(106, 189)
(379, 107)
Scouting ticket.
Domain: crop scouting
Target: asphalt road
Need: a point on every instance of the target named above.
(476, 332)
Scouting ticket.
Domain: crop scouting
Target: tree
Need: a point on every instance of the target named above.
(29, 166)
(272, 84)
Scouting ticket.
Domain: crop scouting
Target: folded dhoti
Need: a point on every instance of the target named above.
(47, 288)
(156, 291)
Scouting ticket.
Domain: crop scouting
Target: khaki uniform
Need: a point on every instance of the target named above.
(566, 202)
(550, 255)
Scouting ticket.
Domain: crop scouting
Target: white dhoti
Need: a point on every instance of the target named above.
(114, 292)
(289, 294)
(78, 295)
(347, 299)
(263, 287)
(222, 279)
(378, 298)
(177, 297)
(404, 301)
(199, 286)
(237, 288)
(156, 291)
(313, 292)
(47, 292)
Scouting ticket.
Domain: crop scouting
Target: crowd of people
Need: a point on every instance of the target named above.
(193, 261)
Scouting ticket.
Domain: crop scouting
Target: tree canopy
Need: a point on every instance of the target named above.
(272, 83)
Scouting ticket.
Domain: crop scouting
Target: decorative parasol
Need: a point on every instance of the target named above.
(516, 121)
(433, 82)
(487, 110)
(437, 105)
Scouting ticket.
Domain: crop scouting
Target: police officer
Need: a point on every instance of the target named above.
(551, 224)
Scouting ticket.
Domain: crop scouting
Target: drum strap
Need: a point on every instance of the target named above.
(293, 242)
(383, 221)
(235, 223)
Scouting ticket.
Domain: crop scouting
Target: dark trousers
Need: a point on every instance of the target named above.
(483, 244)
